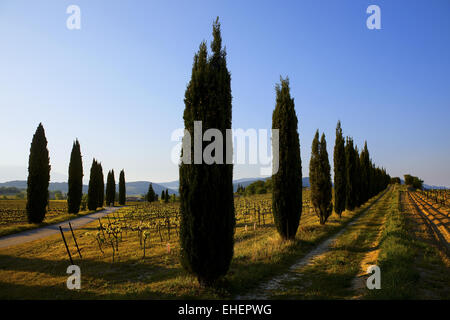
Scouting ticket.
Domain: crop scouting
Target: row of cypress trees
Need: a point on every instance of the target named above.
(39, 179)
(206, 190)
(356, 178)
(96, 190)
(165, 195)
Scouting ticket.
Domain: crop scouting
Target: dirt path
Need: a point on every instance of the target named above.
(264, 290)
(370, 258)
(34, 234)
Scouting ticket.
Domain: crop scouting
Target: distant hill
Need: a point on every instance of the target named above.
(138, 187)
(141, 187)
(247, 181)
(133, 188)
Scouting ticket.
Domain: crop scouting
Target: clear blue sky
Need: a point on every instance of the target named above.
(118, 83)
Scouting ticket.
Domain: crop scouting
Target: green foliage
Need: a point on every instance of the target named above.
(38, 177)
(206, 190)
(96, 186)
(320, 179)
(166, 196)
(350, 160)
(101, 187)
(396, 180)
(93, 186)
(364, 180)
(287, 182)
(365, 164)
(122, 190)
(340, 172)
(10, 190)
(75, 182)
(240, 189)
(151, 196)
(110, 188)
(414, 182)
(257, 187)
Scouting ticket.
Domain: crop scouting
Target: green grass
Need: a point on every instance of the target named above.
(403, 256)
(331, 273)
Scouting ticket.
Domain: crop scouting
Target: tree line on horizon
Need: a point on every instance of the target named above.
(151, 196)
(39, 178)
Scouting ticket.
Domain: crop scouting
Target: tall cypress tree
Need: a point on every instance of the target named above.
(350, 164)
(38, 177)
(327, 187)
(320, 179)
(357, 179)
(287, 182)
(365, 165)
(110, 188)
(166, 196)
(150, 193)
(163, 195)
(75, 182)
(101, 186)
(206, 190)
(340, 172)
(122, 190)
(93, 186)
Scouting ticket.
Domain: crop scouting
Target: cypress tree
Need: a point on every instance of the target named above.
(122, 190)
(93, 186)
(101, 186)
(163, 195)
(350, 164)
(206, 190)
(340, 172)
(365, 165)
(357, 179)
(75, 182)
(150, 193)
(320, 179)
(166, 197)
(110, 188)
(38, 177)
(287, 182)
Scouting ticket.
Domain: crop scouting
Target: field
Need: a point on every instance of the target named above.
(13, 216)
(133, 254)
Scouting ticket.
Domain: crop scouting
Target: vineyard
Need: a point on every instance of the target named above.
(13, 215)
(157, 224)
(440, 197)
(432, 207)
(135, 251)
(14, 211)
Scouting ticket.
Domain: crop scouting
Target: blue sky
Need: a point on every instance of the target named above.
(118, 83)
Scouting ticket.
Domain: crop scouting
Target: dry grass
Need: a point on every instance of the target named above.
(37, 270)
